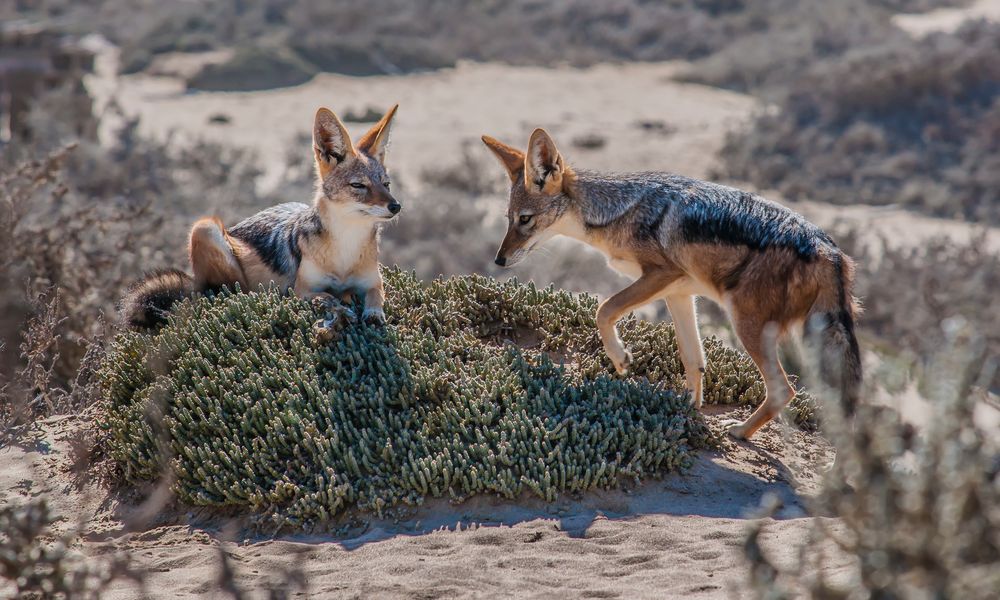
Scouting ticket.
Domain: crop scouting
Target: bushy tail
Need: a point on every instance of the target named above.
(146, 302)
(832, 326)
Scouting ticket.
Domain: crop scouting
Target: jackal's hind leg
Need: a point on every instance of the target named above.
(682, 311)
(213, 261)
(761, 343)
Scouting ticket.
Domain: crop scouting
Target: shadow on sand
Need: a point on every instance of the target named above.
(717, 486)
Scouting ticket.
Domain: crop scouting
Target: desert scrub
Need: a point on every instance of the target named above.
(907, 510)
(473, 386)
(912, 122)
(37, 561)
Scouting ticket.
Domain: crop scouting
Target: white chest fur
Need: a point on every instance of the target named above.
(345, 246)
(333, 261)
(317, 279)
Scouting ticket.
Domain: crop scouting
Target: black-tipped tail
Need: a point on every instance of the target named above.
(841, 358)
(833, 319)
(147, 302)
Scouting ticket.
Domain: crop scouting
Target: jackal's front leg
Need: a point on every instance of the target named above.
(646, 288)
(374, 299)
(335, 313)
(682, 311)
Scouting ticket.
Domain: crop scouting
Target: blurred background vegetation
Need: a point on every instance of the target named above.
(853, 111)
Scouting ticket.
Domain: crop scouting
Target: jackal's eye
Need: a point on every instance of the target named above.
(386, 184)
(525, 219)
(358, 185)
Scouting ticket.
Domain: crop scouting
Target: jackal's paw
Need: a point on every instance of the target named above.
(326, 302)
(622, 361)
(326, 330)
(373, 316)
(333, 308)
(735, 428)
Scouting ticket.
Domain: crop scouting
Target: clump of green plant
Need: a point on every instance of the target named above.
(474, 386)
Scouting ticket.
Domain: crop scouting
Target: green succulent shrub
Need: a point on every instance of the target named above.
(472, 386)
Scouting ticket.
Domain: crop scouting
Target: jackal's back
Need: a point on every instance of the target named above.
(710, 212)
(275, 233)
(669, 208)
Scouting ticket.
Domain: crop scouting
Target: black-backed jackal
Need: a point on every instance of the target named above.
(328, 249)
(679, 238)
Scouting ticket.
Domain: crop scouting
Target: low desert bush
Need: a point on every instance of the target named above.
(396, 36)
(474, 386)
(916, 514)
(85, 219)
(914, 294)
(253, 68)
(37, 561)
(908, 122)
(777, 40)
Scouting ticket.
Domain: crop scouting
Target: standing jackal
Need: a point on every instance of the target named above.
(680, 238)
(326, 250)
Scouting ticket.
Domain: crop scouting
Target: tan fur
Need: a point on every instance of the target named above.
(510, 158)
(257, 273)
(373, 143)
(211, 253)
(761, 311)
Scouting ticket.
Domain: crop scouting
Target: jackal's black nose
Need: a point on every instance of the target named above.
(501, 261)
(395, 207)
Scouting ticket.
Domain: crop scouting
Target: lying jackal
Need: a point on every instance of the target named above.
(680, 238)
(326, 250)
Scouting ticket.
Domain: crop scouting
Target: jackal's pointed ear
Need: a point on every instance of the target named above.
(543, 166)
(331, 143)
(511, 158)
(376, 140)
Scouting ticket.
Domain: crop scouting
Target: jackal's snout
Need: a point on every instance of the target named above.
(381, 203)
(514, 247)
(537, 194)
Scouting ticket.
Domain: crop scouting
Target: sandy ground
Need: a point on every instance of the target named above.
(677, 537)
(948, 19)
